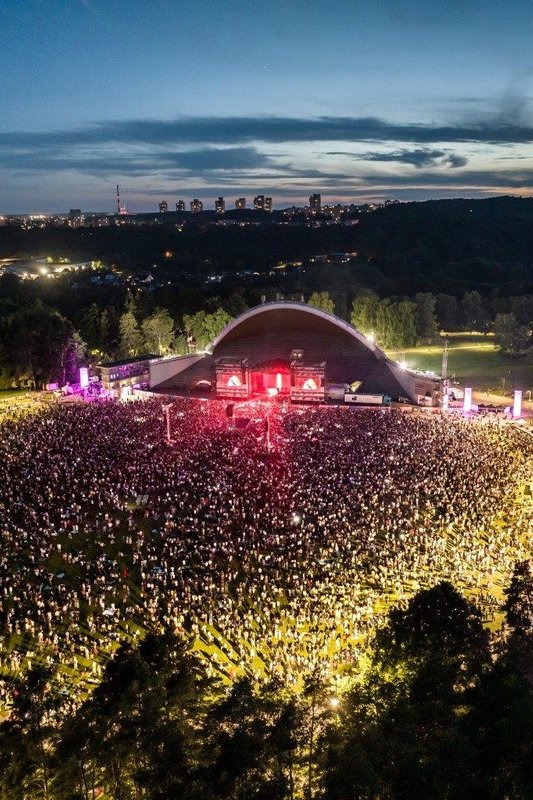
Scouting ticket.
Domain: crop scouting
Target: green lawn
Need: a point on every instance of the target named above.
(473, 359)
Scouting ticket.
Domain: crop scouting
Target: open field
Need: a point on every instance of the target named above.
(19, 402)
(268, 564)
(473, 359)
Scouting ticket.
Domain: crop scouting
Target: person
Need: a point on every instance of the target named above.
(270, 565)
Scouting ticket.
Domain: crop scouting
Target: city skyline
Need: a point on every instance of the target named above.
(359, 103)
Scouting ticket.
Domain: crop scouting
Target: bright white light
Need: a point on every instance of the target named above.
(334, 702)
(371, 337)
(296, 519)
(402, 364)
(517, 404)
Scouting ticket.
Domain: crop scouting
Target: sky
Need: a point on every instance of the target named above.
(175, 99)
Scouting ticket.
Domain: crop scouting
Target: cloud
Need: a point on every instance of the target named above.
(212, 131)
(422, 157)
(241, 154)
(483, 180)
(208, 159)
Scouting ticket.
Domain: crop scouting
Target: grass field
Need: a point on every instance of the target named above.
(21, 401)
(473, 360)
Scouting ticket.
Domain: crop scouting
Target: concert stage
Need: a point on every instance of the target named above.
(293, 351)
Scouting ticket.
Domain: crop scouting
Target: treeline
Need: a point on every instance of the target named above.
(437, 246)
(398, 323)
(39, 343)
(433, 712)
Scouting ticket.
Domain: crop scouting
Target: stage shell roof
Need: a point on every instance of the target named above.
(270, 333)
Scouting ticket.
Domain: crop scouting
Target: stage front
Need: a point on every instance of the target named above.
(293, 380)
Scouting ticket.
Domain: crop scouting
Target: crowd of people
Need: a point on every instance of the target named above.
(273, 554)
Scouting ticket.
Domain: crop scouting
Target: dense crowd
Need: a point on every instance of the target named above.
(271, 560)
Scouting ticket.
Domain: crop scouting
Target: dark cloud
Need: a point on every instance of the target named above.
(422, 157)
(476, 179)
(232, 159)
(275, 130)
(219, 153)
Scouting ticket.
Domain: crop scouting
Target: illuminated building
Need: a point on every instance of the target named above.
(220, 205)
(295, 351)
(262, 203)
(315, 203)
(163, 207)
(75, 218)
(119, 377)
(240, 203)
(196, 206)
(180, 205)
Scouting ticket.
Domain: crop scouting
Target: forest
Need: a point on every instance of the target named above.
(401, 274)
(435, 711)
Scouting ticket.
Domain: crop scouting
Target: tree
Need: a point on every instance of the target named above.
(158, 331)
(364, 311)
(130, 335)
(138, 733)
(383, 322)
(26, 738)
(130, 304)
(401, 733)
(90, 327)
(519, 602)
(404, 324)
(475, 315)
(426, 322)
(236, 304)
(194, 328)
(322, 301)
(251, 737)
(105, 331)
(73, 356)
(214, 323)
(522, 308)
(447, 312)
(511, 337)
(501, 724)
(41, 343)
(395, 324)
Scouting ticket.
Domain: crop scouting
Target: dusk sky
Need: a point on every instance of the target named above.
(174, 100)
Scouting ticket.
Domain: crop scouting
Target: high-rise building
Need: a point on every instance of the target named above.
(180, 205)
(240, 203)
(220, 205)
(75, 218)
(163, 207)
(315, 203)
(262, 203)
(196, 206)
